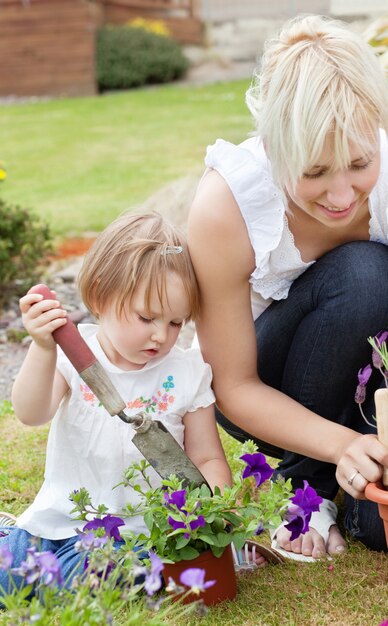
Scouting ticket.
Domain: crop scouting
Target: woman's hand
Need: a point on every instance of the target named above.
(361, 463)
(41, 317)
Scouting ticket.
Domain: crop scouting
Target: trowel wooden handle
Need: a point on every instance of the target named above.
(84, 361)
(381, 401)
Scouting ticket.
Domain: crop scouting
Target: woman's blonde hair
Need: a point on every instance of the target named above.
(136, 248)
(317, 79)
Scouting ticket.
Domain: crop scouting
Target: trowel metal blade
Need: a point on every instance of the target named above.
(165, 455)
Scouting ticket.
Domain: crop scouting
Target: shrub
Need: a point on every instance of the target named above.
(130, 57)
(24, 244)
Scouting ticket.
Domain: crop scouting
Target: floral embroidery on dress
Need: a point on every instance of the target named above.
(158, 403)
(88, 395)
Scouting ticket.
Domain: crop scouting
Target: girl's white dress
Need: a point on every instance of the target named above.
(89, 448)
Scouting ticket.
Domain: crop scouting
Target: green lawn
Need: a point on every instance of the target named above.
(79, 162)
(349, 591)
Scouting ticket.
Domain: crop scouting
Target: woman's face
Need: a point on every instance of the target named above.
(337, 197)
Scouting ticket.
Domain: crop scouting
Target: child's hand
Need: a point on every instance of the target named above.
(41, 317)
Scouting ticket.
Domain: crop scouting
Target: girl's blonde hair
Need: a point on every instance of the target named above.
(317, 79)
(132, 249)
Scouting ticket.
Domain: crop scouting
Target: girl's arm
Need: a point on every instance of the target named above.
(203, 446)
(224, 260)
(39, 387)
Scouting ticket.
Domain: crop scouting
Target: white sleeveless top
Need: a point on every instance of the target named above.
(247, 171)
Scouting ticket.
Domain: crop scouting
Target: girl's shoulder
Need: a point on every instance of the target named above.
(191, 357)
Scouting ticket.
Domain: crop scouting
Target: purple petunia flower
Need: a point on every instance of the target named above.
(109, 523)
(6, 558)
(88, 541)
(50, 570)
(307, 499)
(194, 524)
(304, 503)
(153, 580)
(194, 578)
(257, 466)
(176, 498)
(42, 566)
(380, 338)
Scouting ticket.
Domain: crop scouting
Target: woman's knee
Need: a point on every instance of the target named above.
(359, 265)
(363, 522)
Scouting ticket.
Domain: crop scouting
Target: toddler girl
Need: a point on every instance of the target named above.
(138, 282)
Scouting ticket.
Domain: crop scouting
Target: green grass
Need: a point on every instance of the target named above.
(349, 591)
(80, 162)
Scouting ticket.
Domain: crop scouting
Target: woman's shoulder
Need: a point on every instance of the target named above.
(246, 170)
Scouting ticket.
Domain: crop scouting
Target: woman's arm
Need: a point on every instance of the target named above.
(204, 448)
(224, 260)
(39, 387)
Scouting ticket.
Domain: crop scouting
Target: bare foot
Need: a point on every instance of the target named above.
(312, 544)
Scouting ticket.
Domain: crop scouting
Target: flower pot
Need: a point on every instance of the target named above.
(220, 569)
(376, 493)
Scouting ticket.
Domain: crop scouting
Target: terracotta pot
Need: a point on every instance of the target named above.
(376, 493)
(220, 569)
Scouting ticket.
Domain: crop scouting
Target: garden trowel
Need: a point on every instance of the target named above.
(152, 439)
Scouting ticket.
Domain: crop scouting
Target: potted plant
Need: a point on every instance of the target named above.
(378, 492)
(193, 527)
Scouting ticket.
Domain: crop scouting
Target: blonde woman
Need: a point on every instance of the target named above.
(288, 233)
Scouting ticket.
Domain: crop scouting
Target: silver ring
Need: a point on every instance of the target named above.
(352, 477)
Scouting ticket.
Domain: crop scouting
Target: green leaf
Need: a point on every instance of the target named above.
(188, 553)
(224, 539)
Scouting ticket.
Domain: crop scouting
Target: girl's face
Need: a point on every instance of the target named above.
(336, 198)
(138, 335)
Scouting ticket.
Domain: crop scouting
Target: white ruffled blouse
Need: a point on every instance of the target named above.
(247, 171)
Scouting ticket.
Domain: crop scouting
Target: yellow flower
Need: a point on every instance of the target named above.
(158, 27)
(3, 173)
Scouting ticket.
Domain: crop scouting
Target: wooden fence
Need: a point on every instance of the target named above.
(47, 47)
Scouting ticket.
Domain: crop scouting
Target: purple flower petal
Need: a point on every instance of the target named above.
(175, 524)
(194, 578)
(257, 466)
(364, 374)
(199, 522)
(176, 498)
(50, 570)
(153, 580)
(298, 525)
(109, 523)
(307, 499)
(6, 558)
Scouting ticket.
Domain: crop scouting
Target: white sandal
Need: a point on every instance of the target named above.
(7, 519)
(321, 521)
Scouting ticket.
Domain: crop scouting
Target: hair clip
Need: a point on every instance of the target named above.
(172, 250)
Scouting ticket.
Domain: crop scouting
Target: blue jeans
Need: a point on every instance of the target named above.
(18, 541)
(311, 346)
